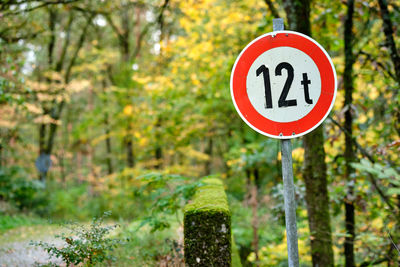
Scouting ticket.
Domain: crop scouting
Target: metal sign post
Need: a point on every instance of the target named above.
(288, 186)
(290, 203)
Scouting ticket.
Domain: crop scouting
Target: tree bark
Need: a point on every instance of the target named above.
(52, 26)
(126, 31)
(349, 154)
(255, 221)
(123, 33)
(108, 138)
(298, 15)
(272, 8)
(129, 149)
(108, 146)
(388, 30)
(47, 133)
(317, 198)
(209, 152)
(394, 55)
(158, 149)
(314, 173)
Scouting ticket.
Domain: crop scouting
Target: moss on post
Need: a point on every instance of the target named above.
(207, 227)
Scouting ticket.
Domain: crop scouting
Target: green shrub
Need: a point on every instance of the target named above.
(84, 245)
(17, 188)
(68, 203)
(168, 195)
(147, 248)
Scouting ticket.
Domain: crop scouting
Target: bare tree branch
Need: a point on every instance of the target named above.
(78, 48)
(52, 27)
(374, 262)
(394, 244)
(370, 158)
(359, 147)
(160, 19)
(388, 30)
(139, 41)
(43, 4)
(370, 58)
(57, 110)
(114, 27)
(14, 39)
(60, 61)
(394, 55)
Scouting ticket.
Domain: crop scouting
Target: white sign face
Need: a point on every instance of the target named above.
(294, 68)
(283, 84)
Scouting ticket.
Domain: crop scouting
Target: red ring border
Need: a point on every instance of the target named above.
(283, 130)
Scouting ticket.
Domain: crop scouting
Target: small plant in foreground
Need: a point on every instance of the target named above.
(86, 245)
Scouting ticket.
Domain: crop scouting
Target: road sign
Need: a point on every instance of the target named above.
(283, 84)
(43, 163)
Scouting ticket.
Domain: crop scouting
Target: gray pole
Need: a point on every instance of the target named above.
(288, 186)
(290, 203)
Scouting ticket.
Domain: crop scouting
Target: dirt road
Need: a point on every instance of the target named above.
(15, 249)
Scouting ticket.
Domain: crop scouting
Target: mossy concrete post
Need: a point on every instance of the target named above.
(207, 227)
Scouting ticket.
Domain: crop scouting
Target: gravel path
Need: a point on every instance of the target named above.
(16, 251)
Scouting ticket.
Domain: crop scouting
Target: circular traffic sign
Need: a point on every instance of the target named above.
(283, 84)
(43, 163)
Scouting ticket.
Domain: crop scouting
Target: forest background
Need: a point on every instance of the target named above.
(130, 102)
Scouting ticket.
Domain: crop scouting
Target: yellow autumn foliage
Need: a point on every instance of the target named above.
(128, 110)
(192, 153)
(33, 108)
(46, 119)
(275, 254)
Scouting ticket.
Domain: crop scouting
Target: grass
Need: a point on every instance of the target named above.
(27, 232)
(144, 248)
(13, 221)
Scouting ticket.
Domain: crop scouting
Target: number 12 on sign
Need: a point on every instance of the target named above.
(283, 102)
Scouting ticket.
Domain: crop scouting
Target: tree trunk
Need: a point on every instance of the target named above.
(209, 152)
(107, 132)
(52, 27)
(257, 178)
(158, 154)
(388, 30)
(108, 144)
(272, 8)
(394, 55)
(255, 221)
(317, 198)
(47, 133)
(158, 150)
(349, 153)
(315, 178)
(125, 47)
(129, 149)
(42, 136)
